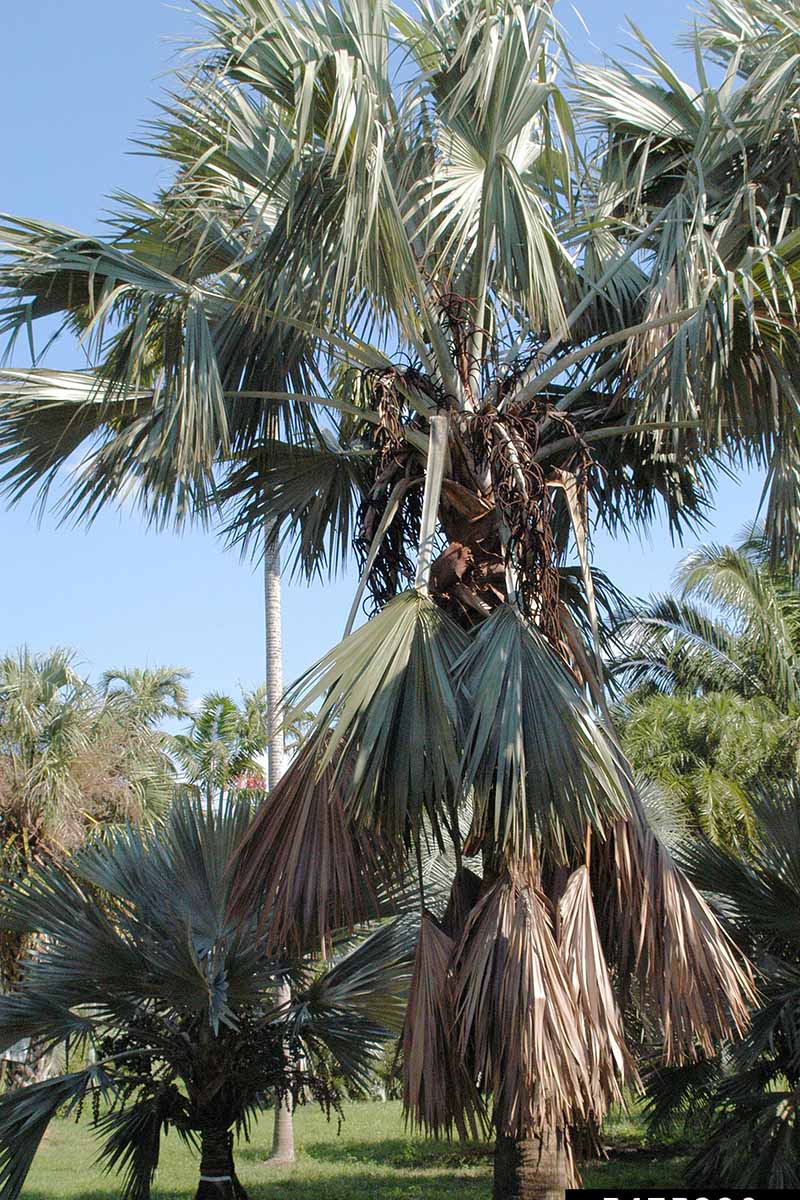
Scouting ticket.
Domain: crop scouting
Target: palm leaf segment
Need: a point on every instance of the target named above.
(748, 1096)
(713, 167)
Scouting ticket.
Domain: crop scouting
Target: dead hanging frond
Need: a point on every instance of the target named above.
(305, 861)
(660, 929)
(394, 561)
(439, 1093)
(610, 1064)
(510, 977)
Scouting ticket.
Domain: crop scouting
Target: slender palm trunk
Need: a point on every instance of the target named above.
(283, 1129)
(274, 662)
(530, 1169)
(218, 1179)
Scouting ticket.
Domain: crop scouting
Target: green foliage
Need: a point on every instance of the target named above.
(389, 714)
(710, 752)
(747, 1098)
(713, 711)
(540, 767)
(74, 757)
(141, 963)
(152, 693)
(225, 743)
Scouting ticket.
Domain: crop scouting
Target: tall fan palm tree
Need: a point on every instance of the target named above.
(714, 674)
(386, 304)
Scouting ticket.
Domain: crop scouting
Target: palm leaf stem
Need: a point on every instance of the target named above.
(430, 504)
(595, 290)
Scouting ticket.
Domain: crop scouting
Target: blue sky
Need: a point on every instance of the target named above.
(80, 81)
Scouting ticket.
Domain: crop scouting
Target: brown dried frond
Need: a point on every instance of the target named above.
(439, 1094)
(306, 862)
(611, 1066)
(661, 929)
(510, 977)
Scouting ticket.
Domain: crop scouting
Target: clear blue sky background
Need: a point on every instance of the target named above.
(77, 81)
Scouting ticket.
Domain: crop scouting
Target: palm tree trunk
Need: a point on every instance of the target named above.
(283, 1128)
(531, 1168)
(282, 1152)
(218, 1179)
(274, 660)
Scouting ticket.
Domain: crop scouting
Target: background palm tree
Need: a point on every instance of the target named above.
(142, 964)
(746, 1100)
(72, 758)
(384, 304)
(154, 694)
(713, 672)
(225, 745)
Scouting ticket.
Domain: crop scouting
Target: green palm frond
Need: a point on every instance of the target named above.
(25, 1115)
(388, 708)
(674, 643)
(133, 1141)
(538, 762)
(308, 494)
(223, 742)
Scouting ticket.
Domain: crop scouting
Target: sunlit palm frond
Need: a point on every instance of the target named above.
(308, 494)
(388, 710)
(537, 760)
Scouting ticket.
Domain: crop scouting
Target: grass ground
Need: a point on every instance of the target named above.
(372, 1158)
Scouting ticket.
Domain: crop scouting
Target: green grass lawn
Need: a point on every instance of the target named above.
(372, 1158)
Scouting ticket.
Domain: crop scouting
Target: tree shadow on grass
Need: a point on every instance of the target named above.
(399, 1153)
(637, 1168)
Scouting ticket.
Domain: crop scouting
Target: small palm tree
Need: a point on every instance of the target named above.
(225, 743)
(714, 678)
(152, 694)
(142, 964)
